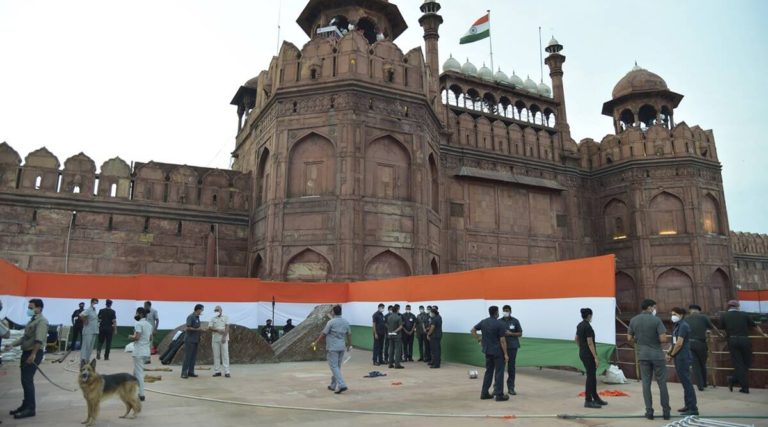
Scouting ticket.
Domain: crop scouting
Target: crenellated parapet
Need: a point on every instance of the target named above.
(749, 243)
(161, 183)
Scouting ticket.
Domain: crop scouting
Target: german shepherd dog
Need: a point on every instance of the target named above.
(97, 387)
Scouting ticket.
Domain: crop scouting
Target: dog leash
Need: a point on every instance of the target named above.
(51, 381)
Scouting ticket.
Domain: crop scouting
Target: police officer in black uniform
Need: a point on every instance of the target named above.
(409, 329)
(513, 332)
(379, 328)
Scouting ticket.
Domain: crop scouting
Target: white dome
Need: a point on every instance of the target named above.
(516, 80)
(500, 76)
(530, 85)
(485, 73)
(469, 68)
(544, 90)
(451, 64)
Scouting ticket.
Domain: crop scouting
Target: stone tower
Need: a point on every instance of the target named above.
(343, 145)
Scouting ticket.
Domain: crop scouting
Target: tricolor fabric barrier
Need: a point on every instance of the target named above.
(546, 298)
(754, 301)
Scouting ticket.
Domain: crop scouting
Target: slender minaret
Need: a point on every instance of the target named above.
(555, 63)
(430, 21)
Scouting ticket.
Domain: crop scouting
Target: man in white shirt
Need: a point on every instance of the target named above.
(219, 325)
(142, 331)
(90, 330)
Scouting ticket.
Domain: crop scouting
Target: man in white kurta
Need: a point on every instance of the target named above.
(219, 325)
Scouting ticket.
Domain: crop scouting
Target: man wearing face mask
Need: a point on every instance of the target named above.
(513, 332)
(219, 325)
(32, 343)
(427, 323)
(435, 335)
(700, 324)
(421, 334)
(681, 353)
(90, 330)
(107, 327)
(77, 326)
(142, 332)
(409, 328)
(647, 333)
(379, 328)
(495, 349)
(390, 308)
(191, 341)
(394, 338)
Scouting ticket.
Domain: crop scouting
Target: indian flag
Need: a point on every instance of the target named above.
(545, 298)
(481, 29)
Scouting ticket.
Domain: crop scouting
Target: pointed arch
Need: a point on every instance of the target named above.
(262, 184)
(434, 184)
(434, 266)
(666, 214)
(616, 216)
(718, 286)
(386, 265)
(308, 266)
(710, 215)
(674, 288)
(626, 293)
(312, 167)
(388, 169)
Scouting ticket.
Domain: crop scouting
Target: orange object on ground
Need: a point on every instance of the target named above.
(608, 393)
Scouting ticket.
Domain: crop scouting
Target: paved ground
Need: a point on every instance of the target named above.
(445, 392)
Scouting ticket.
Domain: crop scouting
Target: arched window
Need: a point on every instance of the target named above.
(718, 289)
(38, 182)
(113, 190)
(434, 266)
(257, 268)
(647, 115)
(76, 189)
(312, 167)
(627, 118)
(261, 178)
(626, 294)
(667, 216)
(388, 169)
(709, 215)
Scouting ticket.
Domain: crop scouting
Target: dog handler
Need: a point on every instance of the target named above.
(32, 342)
(142, 332)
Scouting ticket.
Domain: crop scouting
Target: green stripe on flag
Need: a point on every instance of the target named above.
(475, 37)
(536, 352)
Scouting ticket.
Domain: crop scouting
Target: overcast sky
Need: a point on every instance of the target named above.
(152, 80)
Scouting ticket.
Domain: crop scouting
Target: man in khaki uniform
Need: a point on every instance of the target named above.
(32, 344)
(219, 325)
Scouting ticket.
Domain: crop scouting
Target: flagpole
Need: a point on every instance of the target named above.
(541, 58)
(279, 12)
(490, 41)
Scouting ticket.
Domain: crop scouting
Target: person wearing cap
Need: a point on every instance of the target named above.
(737, 325)
(681, 354)
(107, 328)
(647, 333)
(422, 319)
(700, 325)
(409, 328)
(219, 326)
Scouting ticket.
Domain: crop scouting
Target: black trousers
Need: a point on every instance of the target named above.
(699, 351)
(427, 350)
(494, 371)
(386, 347)
(435, 350)
(590, 369)
(511, 368)
(421, 338)
(378, 349)
(407, 346)
(28, 379)
(741, 357)
(190, 356)
(77, 334)
(105, 336)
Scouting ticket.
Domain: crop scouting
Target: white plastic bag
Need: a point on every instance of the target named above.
(614, 375)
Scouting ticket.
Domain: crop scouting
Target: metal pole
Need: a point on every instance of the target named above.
(217, 250)
(541, 59)
(66, 249)
(273, 310)
(490, 38)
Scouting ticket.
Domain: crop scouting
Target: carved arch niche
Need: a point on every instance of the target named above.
(666, 215)
(312, 167)
(674, 288)
(386, 265)
(718, 286)
(626, 293)
(710, 217)
(308, 266)
(387, 170)
(616, 217)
